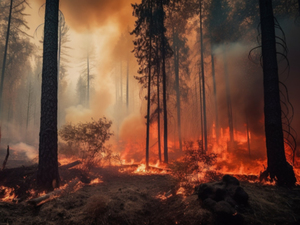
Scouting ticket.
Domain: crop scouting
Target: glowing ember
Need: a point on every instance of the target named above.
(162, 196)
(180, 191)
(96, 181)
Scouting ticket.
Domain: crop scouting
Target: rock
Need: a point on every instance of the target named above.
(230, 180)
(220, 193)
(226, 214)
(231, 201)
(223, 198)
(224, 209)
(205, 191)
(241, 196)
(209, 203)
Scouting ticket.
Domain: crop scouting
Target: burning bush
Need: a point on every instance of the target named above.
(89, 138)
(195, 162)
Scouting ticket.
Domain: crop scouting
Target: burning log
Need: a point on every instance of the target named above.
(47, 197)
(6, 157)
(70, 165)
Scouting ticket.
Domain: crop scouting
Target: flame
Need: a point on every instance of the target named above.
(9, 194)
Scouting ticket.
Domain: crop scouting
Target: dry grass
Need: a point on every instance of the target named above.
(96, 206)
(272, 205)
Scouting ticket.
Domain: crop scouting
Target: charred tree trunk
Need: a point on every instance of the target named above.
(158, 100)
(28, 105)
(277, 165)
(164, 77)
(58, 68)
(203, 81)
(201, 109)
(47, 176)
(149, 87)
(177, 86)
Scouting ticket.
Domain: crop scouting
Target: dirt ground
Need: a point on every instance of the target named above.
(129, 199)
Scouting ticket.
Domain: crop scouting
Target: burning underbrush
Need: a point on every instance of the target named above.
(99, 186)
(108, 195)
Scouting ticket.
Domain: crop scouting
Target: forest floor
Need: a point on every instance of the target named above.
(126, 198)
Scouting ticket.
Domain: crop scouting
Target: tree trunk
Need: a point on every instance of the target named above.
(277, 165)
(201, 109)
(47, 176)
(28, 105)
(149, 88)
(177, 86)
(58, 68)
(166, 158)
(158, 100)
(4, 64)
(203, 81)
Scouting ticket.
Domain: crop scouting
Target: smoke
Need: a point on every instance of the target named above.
(91, 14)
(30, 151)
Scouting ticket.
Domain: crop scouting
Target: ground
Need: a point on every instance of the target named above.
(128, 199)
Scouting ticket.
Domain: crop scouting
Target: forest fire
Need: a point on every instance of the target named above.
(149, 112)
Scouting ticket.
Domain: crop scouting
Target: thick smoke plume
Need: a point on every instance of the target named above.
(90, 14)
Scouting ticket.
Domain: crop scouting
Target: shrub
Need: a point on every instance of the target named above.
(194, 161)
(89, 138)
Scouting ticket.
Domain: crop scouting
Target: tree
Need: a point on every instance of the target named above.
(220, 33)
(146, 53)
(164, 47)
(203, 78)
(143, 51)
(177, 15)
(278, 168)
(47, 176)
(4, 61)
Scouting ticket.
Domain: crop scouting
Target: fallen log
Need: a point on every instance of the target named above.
(70, 165)
(47, 197)
(6, 158)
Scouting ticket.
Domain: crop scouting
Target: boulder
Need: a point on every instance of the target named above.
(223, 198)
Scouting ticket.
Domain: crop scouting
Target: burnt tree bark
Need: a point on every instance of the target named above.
(47, 176)
(158, 99)
(278, 167)
(203, 81)
(164, 78)
(149, 87)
